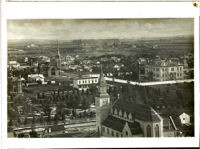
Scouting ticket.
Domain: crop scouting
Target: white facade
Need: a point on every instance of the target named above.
(83, 83)
(163, 73)
(36, 77)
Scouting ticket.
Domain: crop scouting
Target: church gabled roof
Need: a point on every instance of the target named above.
(140, 111)
(119, 124)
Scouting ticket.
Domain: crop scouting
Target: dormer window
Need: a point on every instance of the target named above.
(130, 116)
(115, 112)
(120, 113)
(125, 115)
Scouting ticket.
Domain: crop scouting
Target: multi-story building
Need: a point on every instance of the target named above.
(83, 83)
(164, 70)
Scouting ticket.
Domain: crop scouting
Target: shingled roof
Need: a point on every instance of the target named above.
(118, 125)
(140, 111)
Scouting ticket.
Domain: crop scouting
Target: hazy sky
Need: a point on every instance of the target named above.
(98, 28)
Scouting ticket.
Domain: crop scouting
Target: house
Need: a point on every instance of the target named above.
(13, 64)
(36, 77)
(83, 82)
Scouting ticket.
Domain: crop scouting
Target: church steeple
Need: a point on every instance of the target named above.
(102, 83)
(102, 102)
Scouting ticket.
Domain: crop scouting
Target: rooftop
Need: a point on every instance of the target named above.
(140, 111)
(118, 124)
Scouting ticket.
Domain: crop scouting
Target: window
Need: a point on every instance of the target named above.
(130, 116)
(180, 68)
(157, 69)
(116, 112)
(157, 131)
(177, 68)
(108, 131)
(121, 135)
(103, 128)
(127, 133)
(117, 135)
(148, 131)
(120, 113)
(162, 69)
(53, 71)
(112, 133)
(172, 69)
(125, 115)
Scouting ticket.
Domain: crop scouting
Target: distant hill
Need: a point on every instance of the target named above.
(91, 47)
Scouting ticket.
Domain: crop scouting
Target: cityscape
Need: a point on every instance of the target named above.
(100, 78)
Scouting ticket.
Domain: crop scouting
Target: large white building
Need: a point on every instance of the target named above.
(85, 81)
(164, 70)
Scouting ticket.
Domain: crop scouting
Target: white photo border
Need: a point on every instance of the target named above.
(90, 10)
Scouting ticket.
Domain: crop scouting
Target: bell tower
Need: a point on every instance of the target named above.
(102, 102)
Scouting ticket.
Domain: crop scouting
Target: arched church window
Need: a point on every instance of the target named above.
(148, 131)
(126, 133)
(157, 131)
(115, 112)
(130, 116)
(112, 133)
(103, 129)
(108, 131)
(125, 115)
(120, 113)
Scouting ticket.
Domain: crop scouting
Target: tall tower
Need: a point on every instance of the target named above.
(58, 59)
(102, 102)
(19, 85)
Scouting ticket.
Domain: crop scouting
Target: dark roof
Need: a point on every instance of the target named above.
(135, 128)
(140, 111)
(118, 124)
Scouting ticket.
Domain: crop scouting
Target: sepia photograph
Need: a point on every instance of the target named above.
(95, 78)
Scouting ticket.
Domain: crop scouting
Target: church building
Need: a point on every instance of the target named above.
(123, 118)
(54, 68)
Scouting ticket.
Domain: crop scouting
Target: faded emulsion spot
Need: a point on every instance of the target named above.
(196, 5)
